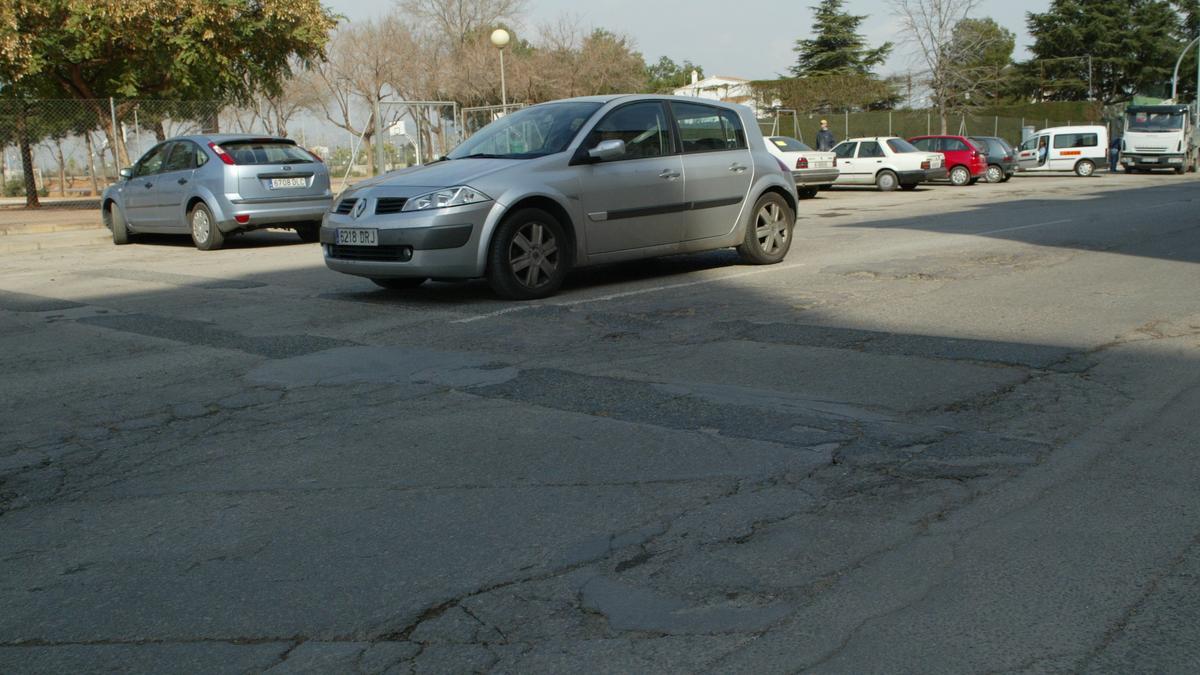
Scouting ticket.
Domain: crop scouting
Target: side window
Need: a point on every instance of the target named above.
(643, 127)
(201, 157)
(953, 145)
(706, 129)
(1030, 144)
(1075, 141)
(870, 149)
(182, 157)
(151, 163)
(845, 150)
(925, 144)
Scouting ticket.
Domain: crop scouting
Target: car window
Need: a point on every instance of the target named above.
(151, 163)
(789, 144)
(845, 150)
(925, 144)
(953, 145)
(1030, 143)
(643, 127)
(870, 149)
(266, 152)
(1076, 141)
(901, 145)
(181, 157)
(536, 131)
(704, 128)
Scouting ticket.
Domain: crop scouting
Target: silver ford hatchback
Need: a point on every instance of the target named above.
(213, 186)
(567, 184)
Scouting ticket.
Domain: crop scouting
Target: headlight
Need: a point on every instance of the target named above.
(453, 196)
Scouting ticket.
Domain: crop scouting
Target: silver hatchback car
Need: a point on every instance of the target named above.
(213, 186)
(567, 184)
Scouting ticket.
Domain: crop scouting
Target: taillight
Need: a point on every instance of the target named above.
(314, 155)
(221, 154)
(925, 165)
(1008, 158)
(802, 163)
(835, 161)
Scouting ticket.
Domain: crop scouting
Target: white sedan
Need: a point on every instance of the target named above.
(812, 170)
(887, 162)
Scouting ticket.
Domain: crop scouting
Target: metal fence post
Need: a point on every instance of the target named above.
(379, 154)
(112, 108)
(847, 123)
(890, 123)
(928, 123)
(997, 125)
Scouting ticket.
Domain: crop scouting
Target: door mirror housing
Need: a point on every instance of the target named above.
(610, 149)
(127, 172)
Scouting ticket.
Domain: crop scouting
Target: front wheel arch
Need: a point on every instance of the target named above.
(544, 203)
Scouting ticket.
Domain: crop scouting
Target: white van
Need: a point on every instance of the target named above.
(1078, 149)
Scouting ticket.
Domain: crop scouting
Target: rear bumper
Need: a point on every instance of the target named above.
(809, 177)
(272, 213)
(921, 176)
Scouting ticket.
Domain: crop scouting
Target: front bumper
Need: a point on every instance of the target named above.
(810, 177)
(1153, 161)
(440, 244)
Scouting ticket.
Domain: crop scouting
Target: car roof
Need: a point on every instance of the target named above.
(609, 98)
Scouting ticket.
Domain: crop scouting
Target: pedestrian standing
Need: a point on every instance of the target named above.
(825, 138)
(1114, 154)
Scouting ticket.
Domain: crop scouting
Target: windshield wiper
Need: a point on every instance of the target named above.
(482, 155)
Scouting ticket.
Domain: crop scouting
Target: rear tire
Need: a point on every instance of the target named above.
(1085, 168)
(994, 174)
(909, 187)
(399, 284)
(960, 176)
(529, 256)
(769, 234)
(205, 233)
(309, 234)
(887, 181)
(116, 222)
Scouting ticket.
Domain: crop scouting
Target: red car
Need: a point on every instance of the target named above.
(965, 161)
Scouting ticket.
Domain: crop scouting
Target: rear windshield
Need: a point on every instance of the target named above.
(901, 145)
(266, 152)
(788, 144)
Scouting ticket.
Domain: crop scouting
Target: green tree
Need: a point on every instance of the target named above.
(167, 49)
(1189, 29)
(983, 50)
(1120, 47)
(666, 76)
(837, 47)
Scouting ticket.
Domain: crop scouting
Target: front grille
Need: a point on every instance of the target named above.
(1148, 148)
(345, 207)
(377, 253)
(386, 205)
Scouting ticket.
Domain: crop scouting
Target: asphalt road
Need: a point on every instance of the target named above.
(953, 432)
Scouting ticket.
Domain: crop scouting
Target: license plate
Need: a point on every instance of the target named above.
(1150, 160)
(357, 237)
(277, 183)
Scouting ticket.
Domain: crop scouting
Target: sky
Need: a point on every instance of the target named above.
(722, 37)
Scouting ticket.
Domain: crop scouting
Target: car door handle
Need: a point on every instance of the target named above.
(737, 168)
(182, 181)
(669, 174)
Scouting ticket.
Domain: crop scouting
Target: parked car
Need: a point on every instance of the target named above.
(886, 162)
(812, 170)
(1080, 149)
(568, 184)
(1001, 158)
(217, 185)
(965, 162)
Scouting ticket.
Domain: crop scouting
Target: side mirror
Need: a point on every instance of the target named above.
(126, 173)
(611, 149)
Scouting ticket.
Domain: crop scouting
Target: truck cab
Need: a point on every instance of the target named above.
(1159, 137)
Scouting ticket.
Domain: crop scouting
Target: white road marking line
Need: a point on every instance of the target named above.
(1020, 227)
(626, 294)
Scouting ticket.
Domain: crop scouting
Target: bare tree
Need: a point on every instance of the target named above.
(947, 56)
(459, 20)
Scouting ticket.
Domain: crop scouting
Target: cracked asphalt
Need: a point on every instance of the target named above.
(954, 432)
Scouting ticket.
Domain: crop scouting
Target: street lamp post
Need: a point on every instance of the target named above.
(500, 38)
(1178, 63)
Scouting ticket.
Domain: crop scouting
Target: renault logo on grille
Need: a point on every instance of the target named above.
(360, 208)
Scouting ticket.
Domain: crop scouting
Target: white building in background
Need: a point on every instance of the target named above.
(722, 88)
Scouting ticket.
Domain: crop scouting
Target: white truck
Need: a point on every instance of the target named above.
(1161, 136)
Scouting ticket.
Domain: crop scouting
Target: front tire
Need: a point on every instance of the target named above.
(769, 235)
(116, 222)
(1085, 168)
(886, 181)
(995, 174)
(309, 234)
(205, 233)
(960, 176)
(529, 256)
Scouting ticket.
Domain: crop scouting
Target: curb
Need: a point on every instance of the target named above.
(47, 228)
(68, 239)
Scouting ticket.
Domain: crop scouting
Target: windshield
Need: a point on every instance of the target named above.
(901, 145)
(1148, 121)
(788, 144)
(532, 132)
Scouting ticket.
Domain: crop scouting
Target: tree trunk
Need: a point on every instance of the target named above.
(62, 168)
(31, 195)
(91, 150)
(160, 132)
(943, 114)
(369, 150)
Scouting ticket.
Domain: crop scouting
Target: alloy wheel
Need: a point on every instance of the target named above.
(533, 255)
(201, 225)
(994, 174)
(771, 229)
